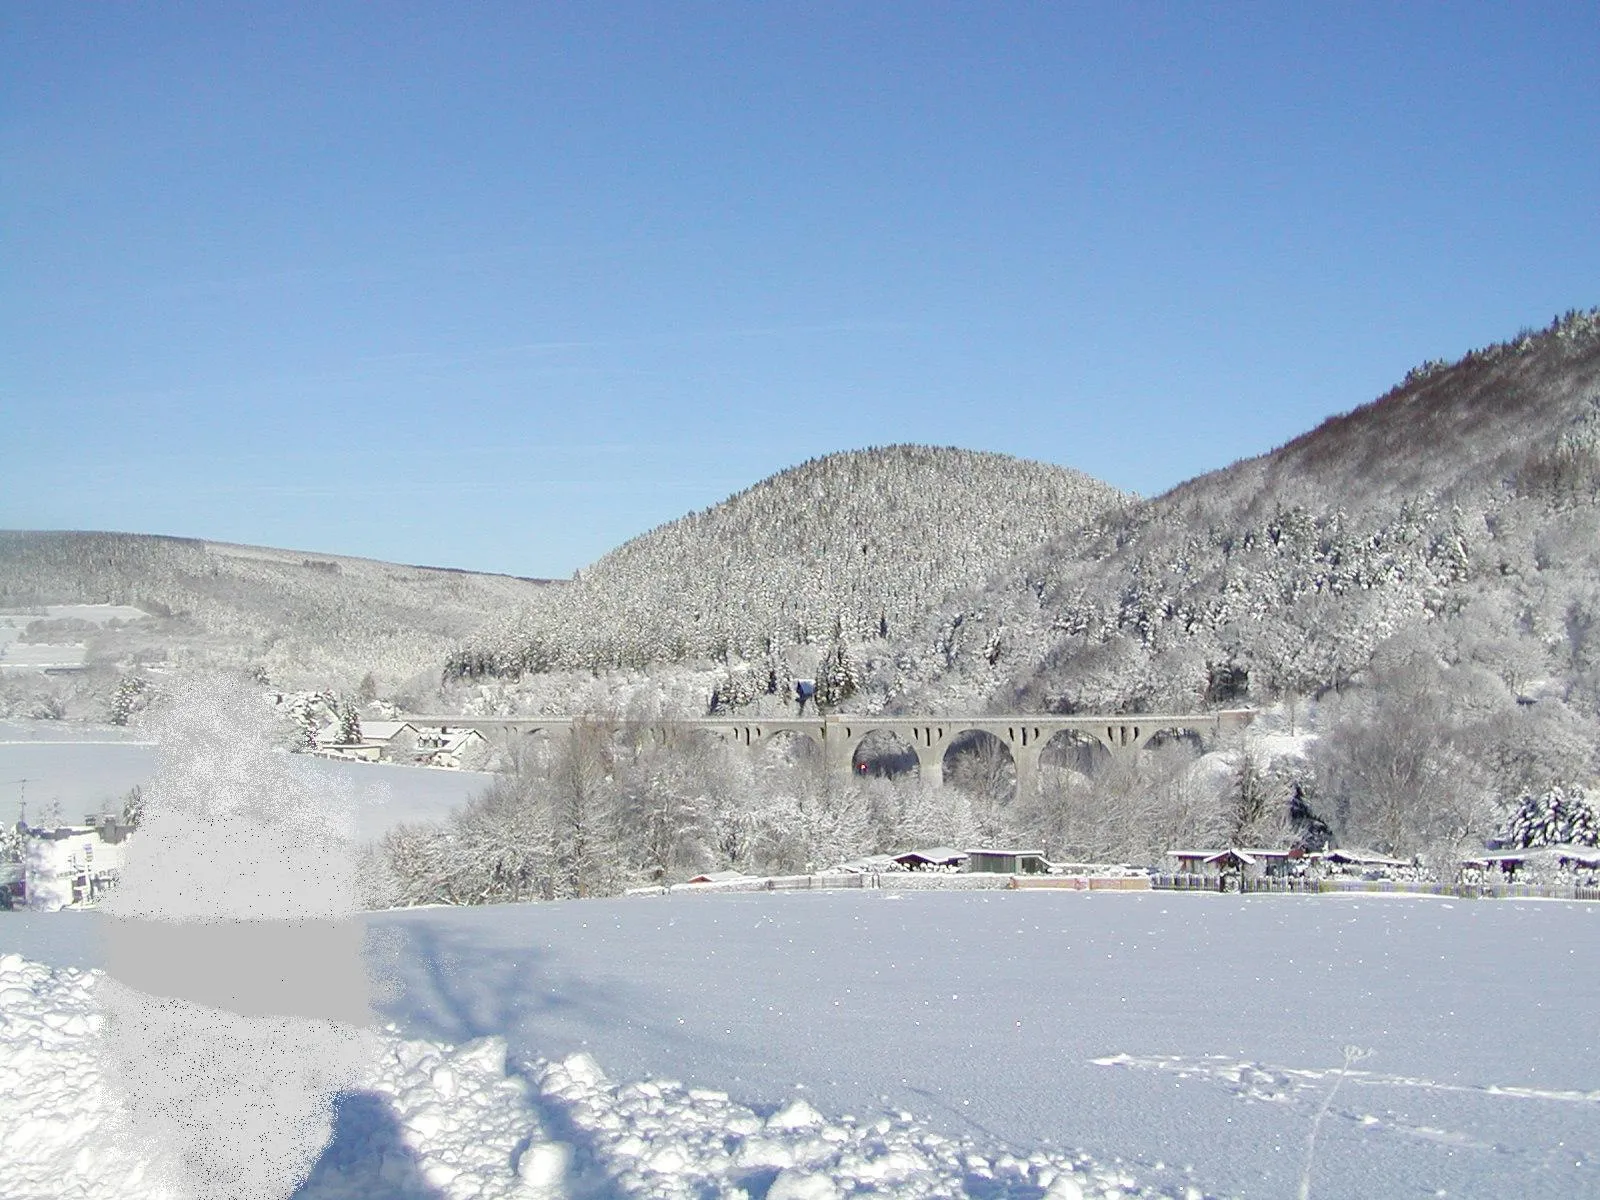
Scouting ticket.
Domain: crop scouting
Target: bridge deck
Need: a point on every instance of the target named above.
(856, 724)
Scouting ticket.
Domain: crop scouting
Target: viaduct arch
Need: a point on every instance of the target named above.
(839, 734)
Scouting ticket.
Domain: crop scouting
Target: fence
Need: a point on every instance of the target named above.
(929, 881)
(906, 881)
(1083, 883)
(1413, 887)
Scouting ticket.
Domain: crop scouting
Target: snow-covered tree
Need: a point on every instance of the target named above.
(583, 814)
(838, 678)
(1557, 816)
(1258, 802)
(133, 806)
(349, 723)
(131, 696)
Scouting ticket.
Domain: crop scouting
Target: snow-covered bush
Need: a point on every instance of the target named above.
(132, 695)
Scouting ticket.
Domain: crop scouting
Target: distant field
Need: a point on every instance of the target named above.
(58, 651)
(87, 773)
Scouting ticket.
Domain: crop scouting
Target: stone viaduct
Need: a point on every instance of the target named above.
(839, 735)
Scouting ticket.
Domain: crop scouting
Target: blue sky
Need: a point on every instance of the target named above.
(499, 286)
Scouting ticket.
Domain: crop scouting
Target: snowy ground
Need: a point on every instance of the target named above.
(91, 768)
(434, 1121)
(1195, 1037)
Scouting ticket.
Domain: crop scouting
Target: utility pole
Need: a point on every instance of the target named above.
(22, 798)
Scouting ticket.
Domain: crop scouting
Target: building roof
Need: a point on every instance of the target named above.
(863, 866)
(1361, 857)
(384, 731)
(62, 832)
(934, 854)
(458, 740)
(718, 877)
(1248, 857)
(1007, 852)
(1245, 854)
(1589, 856)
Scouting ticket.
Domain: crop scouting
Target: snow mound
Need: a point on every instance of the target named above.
(432, 1121)
(662, 1140)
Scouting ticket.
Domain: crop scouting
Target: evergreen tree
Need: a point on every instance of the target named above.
(1553, 817)
(303, 718)
(131, 696)
(349, 724)
(133, 806)
(838, 678)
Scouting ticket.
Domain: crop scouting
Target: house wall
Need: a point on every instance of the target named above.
(51, 865)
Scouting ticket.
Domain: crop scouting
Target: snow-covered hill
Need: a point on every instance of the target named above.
(856, 544)
(307, 619)
(1468, 497)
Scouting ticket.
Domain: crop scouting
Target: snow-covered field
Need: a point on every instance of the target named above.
(90, 769)
(16, 654)
(1030, 1039)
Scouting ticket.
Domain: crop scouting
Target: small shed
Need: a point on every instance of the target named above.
(1007, 862)
(1357, 860)
(1563, 856)
(1271, 860)
(1252, 861)
(937, 856)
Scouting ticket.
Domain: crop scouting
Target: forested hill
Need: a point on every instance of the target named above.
(1461, 511)
(315, 619)
(857, 544)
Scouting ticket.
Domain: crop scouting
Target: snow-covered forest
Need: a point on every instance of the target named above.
(1465, 498)
(1419, 576)
(854, 545)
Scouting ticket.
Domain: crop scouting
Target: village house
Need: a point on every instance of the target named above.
(403, 742)
(452, 748)
(381, 741)
(71, 864)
